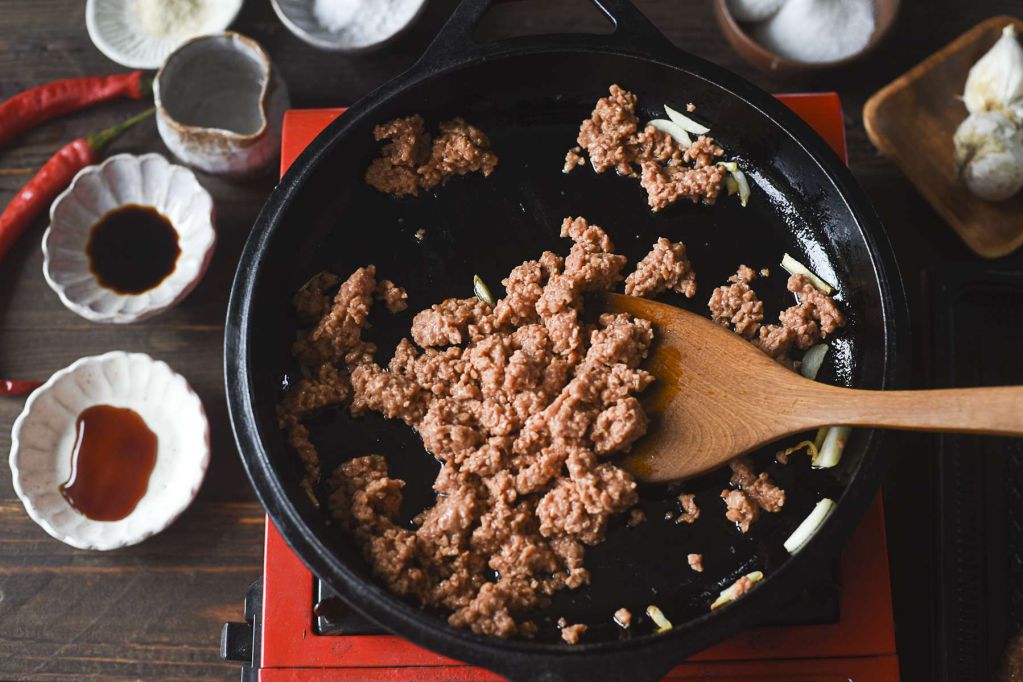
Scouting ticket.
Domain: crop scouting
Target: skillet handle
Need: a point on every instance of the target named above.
(633, 33)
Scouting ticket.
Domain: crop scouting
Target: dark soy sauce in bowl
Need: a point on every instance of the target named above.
(132, 249)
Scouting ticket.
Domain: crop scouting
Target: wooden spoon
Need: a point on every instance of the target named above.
(717, 396)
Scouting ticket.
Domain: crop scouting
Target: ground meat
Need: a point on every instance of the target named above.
(815, 317)
(573, 158)
(447, 323)
(737, 305)
(519, 401)
(311, 301)
(613, 139)
(752, 494)
(775, 340)
(665, 267)
(665, 185)
(623, 617)
(572, 633)
(636, 517)
(740, 510)
(412, 160)
(392, 296)
(690, 512)
(695, 562)
(703, 153)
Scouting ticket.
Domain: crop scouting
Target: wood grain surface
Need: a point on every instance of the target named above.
(153, 612)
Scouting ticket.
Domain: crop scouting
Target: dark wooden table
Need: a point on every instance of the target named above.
(154, 611)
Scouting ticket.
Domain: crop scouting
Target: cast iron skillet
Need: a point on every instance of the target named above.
(529, 95)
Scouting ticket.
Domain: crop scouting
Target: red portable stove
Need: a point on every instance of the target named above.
(296, 631)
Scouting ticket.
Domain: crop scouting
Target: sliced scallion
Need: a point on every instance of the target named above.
(738, 178)
(822, 433)
(687, 124)
(673, 129)
(794, 267)
(731, 592)
(812, 360)
(481, 290)
(657, 616)
(802, 534)
(831, 449)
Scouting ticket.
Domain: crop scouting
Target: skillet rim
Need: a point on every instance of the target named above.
(658, 652)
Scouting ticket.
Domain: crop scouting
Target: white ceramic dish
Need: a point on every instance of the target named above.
(300, 18)
(148, 180)
(220, 103)
(117, 32)
(44, 434)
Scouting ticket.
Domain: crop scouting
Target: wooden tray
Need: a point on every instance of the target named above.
(911, 121)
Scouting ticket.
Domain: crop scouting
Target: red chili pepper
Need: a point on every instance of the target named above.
(28, 109)
(15, 388)
(55, 175)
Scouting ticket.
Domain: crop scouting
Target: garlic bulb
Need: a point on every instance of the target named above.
(995, 82)
(989, 155)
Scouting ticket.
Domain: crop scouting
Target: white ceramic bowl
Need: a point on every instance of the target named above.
(116, 30)
(148, 180)
(44, 435)
(300, 18)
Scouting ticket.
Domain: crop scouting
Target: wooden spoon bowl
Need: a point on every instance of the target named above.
(717, 396)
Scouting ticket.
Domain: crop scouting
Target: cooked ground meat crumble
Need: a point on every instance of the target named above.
(695, 562)
(413, 160)
(572, 633)
(520, 401)
(614, 140)
(665, 267)
(751, 494)
(690, 512)
(623, 617)
(816, 316)
(737, 305)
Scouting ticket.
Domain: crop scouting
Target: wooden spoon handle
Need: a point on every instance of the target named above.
(994, 411)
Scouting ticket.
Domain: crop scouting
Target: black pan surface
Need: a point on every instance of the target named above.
(529, 96)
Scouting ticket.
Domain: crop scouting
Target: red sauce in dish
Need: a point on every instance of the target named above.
(113, 457)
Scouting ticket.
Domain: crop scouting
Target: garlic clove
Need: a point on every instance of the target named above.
(995, 82)
(989, 155)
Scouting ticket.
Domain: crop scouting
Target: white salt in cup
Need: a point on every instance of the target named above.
(363, 33)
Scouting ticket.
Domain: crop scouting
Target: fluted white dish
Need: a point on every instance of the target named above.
(147, 180)
(44, 434)
(116, 31)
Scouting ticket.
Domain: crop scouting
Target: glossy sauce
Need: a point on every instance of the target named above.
(132, 249)
(113, 457)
